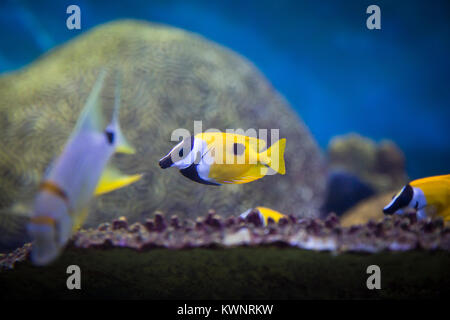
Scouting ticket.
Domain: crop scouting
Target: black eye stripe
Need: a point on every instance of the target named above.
(109, 136)
(188, 145)
(184, 148)
(402, 201)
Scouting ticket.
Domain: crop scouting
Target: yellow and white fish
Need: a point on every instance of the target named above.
(431, 194)
(216, 158)
(265, 214)
(81, 171)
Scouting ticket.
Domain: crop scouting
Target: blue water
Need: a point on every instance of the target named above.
(341, 77)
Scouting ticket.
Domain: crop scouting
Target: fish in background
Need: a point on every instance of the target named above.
(80, 172)
(429, 197)
(264, 215)
(216, 158)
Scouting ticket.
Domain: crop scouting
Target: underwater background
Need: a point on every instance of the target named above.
(167, 237)
(341, 77)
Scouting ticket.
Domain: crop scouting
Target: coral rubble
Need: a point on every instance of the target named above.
(397, 233)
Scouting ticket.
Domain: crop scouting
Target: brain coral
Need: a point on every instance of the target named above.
(170, 78)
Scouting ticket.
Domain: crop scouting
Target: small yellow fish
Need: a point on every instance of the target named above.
(432, 193)
(265, 214)
(81, 171)
(216, 158)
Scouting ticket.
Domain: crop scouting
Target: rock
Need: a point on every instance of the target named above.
(345, 190)
(120, 223)
(360, 169)
(381, 166)
(170, 78)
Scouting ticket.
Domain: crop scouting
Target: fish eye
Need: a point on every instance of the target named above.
(238, 149)
(109, 136)
(182, 149)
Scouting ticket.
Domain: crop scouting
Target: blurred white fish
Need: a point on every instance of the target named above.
(80, 172)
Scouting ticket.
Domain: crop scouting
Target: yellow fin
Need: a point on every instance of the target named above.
(441, 178)
(277, 161)
(270, 213)
(113, 179)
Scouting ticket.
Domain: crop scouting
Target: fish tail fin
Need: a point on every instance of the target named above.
(113, 179)
(122, 145)
(45, 247)
(275, 156)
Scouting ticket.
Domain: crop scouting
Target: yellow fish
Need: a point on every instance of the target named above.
(81, 171)
(217, 158)
(265, 214)
(431, 193)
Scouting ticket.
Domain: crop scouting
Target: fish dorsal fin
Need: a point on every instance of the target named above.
(91, 118)
(122, 145)
(254, 143)
(257, 144)
(249, 147)
(113, 179)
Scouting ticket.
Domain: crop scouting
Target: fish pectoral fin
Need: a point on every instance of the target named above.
(113, 179)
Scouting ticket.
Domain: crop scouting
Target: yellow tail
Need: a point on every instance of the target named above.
(277, 161)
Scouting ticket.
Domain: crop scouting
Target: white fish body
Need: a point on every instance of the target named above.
(80, 172)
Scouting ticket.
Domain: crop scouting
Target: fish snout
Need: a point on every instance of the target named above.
(166, 162)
